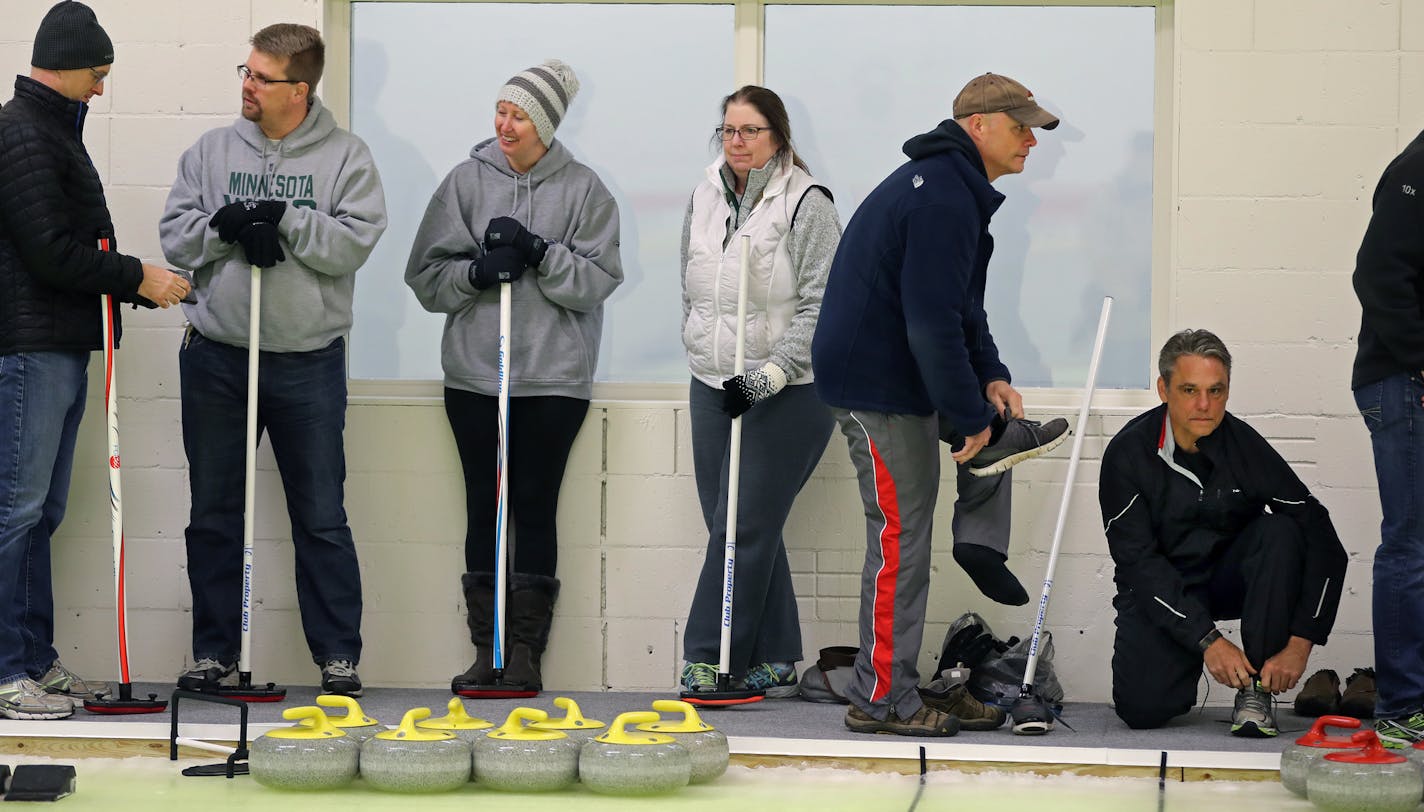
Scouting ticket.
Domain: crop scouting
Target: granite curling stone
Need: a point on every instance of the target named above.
(1371, 779)
(1310, 748)
(707, 745)
(634, 763)
(515, 758)
(409, 759)
(312, 755)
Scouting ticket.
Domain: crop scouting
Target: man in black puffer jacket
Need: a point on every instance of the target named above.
(52, 272)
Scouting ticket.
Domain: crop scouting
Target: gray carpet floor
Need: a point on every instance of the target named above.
(1092, 724)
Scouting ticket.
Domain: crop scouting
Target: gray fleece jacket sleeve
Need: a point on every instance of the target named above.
(183, 230)
(438, 270)
(582, 271)
(812, 243)
(337, 244)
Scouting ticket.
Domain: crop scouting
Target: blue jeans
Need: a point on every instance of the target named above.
(41, 403)
(1395, 418)
(301, 406)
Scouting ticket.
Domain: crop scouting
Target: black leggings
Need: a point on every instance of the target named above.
(541, 432)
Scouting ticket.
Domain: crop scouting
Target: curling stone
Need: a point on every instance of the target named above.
(516, 758)
(1310, 748)
(409, 759)
(459, 722)
(573, 724)
(706, 745)
(1371, 779)
(636, 763)
(356, 723)
(311, 755)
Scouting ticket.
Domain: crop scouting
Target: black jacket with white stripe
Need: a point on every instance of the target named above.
(1166, 529)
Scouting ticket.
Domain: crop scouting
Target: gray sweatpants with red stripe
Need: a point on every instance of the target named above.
(896, 458)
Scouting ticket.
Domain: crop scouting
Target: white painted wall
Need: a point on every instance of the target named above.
(1284, 114)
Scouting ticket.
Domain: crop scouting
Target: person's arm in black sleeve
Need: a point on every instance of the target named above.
(1390, 263)
(1132, 541)
(36, 218)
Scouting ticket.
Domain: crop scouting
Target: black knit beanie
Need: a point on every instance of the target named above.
(70, 38)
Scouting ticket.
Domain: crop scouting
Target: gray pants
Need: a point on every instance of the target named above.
(782, 440)
(896, 459)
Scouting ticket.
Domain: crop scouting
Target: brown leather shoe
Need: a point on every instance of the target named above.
(958, 702)
(1359, 697)
(925, 722)
(1320, 696)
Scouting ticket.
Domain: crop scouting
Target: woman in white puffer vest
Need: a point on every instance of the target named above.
(761, 188)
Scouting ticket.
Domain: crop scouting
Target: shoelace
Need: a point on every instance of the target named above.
(209, 664)
(26, 688)
(700, 675)
(340, 668)
(764, 676)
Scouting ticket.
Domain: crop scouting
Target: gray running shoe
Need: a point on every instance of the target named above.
(208, 674)
(339, 677)
(60, 680)
(26, 699)
(1253, 717)
(1022, 439)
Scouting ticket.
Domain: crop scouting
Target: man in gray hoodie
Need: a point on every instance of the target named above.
(282, 188)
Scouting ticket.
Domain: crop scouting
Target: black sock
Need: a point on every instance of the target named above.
(986, 567)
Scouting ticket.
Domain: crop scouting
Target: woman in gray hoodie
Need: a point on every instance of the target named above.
(521, 210)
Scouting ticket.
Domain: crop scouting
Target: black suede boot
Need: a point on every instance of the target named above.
(531, 613)
(479, 613)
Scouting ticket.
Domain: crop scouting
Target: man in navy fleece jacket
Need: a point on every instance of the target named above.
(902, 348)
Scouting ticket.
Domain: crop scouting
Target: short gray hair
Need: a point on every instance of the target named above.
(1203, 343)
(300, 44)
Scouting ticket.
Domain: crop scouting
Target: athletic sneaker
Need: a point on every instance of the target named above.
(60, 680)
(699, 677)
(1320, 696)
(778, 680)
(1022, 439)
(208, 674)
(339, 677)
(1252, 716)
(958, 702)
(1359, 697)
(925, 722)
(26, 699)
(1400, 734)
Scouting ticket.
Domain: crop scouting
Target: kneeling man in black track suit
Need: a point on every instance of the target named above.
(1206, 522)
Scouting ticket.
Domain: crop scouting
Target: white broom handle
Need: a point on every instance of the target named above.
(116, 492)
(1067, 491)
(501, 519)
(249, 504)
(734, 465)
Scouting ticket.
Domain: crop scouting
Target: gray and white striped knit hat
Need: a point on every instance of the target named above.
(544, 92)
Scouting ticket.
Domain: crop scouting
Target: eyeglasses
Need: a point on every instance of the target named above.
(747, 133)
(98, 77)
(262, 81)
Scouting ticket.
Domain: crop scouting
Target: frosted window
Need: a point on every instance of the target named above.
(1077, 224)
(424, 81)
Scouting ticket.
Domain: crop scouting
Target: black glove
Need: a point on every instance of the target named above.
(261, 244)
(745, 391)
(503, 264)
(231, 219)
(503, 231)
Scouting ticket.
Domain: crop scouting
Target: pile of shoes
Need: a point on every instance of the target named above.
(1321, 695)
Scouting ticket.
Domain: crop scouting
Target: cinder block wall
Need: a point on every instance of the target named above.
(1284, 114)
